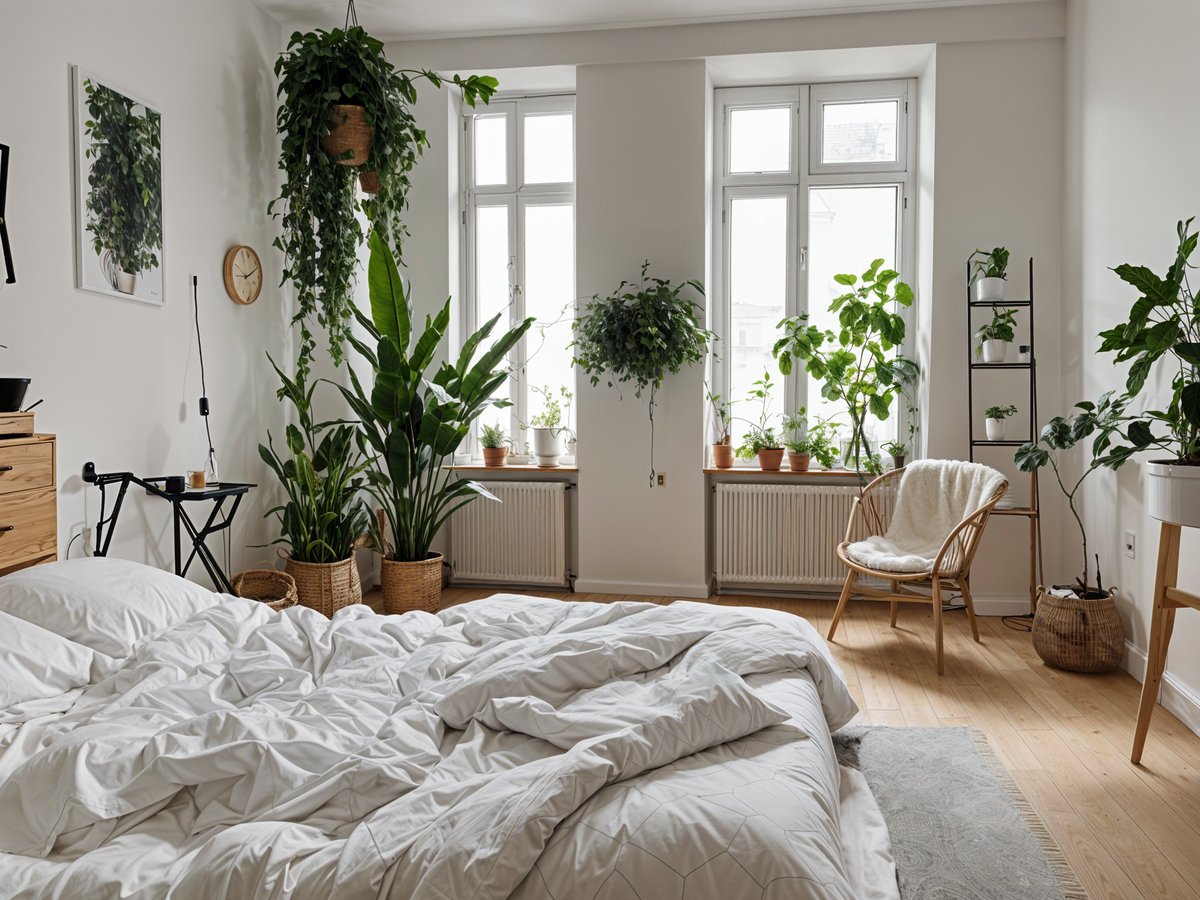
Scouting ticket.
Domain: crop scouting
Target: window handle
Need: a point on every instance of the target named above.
(803, 259)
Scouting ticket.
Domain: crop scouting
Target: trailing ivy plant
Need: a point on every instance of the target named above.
(319, 200)
(858, 366)
(640, 333)
(124, 199)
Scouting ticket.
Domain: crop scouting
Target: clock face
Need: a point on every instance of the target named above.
(243, 275)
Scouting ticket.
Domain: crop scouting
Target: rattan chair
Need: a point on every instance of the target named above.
(951, 568)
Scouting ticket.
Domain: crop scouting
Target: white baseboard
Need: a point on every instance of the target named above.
(697, 591)
(1176, 696)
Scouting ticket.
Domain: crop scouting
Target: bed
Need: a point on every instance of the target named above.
(158, 740)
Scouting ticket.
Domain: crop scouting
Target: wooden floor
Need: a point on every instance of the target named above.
(1129, 832)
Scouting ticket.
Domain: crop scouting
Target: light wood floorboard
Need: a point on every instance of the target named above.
(1129, 831)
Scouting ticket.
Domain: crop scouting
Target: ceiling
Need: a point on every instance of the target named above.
(414, 19)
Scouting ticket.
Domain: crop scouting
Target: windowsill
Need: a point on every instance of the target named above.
(783, 473)
(480, 467)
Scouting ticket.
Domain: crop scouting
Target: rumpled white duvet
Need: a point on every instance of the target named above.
(508, 747)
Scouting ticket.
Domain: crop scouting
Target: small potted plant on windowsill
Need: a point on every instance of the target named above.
(808, 441)
(721, 417)
(992, 339)
(989, 274)
(495, 445)
(549, 426)
(898, 451)
(761, 439)
(995, 421)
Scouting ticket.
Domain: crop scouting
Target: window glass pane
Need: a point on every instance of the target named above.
(758, 232)
(760, 139)
(550, 298)
(549, 149)
(491, 150)
(493, 257)
(859, 132)
(848, 228)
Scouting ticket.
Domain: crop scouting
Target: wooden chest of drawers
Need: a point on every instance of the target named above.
(28, 502)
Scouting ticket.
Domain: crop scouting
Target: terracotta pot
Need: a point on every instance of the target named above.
(369, 181)
(326, 587)
(722, 456)
(770, 460)
(494, 456)
(1078, 635)
(349, 138)
(411, 585)
(798, 462)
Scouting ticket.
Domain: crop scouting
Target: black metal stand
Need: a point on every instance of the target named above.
(181, 521)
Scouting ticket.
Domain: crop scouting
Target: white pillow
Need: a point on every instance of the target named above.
(36, 664)
(110, 605)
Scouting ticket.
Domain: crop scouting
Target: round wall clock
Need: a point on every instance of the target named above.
(243, 275)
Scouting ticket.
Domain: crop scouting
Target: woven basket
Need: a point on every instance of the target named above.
(412, 585)
(349, 132)
(326, 587)
(276, 589)
(369, 181)
(1078, 635)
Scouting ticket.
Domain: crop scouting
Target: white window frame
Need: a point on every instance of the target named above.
(805, 173)
(517, 197)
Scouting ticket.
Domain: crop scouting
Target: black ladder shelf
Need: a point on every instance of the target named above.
(1032, 512)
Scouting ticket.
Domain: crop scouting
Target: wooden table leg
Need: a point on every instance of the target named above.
(1162, 622)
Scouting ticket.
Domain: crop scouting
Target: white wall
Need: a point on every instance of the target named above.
(640, 153)
(1131, 139)
(120, 379)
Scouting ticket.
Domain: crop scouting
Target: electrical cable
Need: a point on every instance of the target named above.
(212, 453)
(71, 543)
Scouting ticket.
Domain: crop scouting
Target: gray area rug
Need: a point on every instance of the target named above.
(960, 826)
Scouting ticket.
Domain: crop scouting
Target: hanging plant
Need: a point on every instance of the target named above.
(331, 85)
(640, 333)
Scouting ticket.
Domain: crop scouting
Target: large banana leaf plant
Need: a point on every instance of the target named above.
(414, 419)
(323, 472)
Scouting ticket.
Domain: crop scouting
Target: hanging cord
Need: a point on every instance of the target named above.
(351, 15)
(653, 389)
(212, 453)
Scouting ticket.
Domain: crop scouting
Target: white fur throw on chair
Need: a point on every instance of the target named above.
(935, 496)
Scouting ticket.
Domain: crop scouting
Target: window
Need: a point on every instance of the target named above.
(811, 182)
(519, 223)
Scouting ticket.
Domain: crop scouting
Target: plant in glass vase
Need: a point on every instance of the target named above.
(859, 366)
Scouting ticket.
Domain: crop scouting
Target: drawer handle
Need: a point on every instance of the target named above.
(6, 468)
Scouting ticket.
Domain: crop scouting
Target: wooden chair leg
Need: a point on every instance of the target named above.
(841, 606)
(937, 623)
(895, 603)
(970, 603)
(1162, 621)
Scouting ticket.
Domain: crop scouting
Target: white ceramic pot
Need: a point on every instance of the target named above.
(547, 446)
(1173, 493)
(995, 351)
(996, 429)
(126, 281)
(989, 289)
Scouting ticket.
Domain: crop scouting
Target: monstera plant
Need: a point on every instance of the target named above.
(324, 77)
(413, 419)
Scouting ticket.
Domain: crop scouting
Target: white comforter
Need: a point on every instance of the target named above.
(509, 747)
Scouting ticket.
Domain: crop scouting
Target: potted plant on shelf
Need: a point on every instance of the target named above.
(322, 471)
(549, 426)
(721, 414)
(414, 419)
(124, 197)
(761, 439)
(1076, 626)
(342, 107)
(495, 445)
(992, 339)
(640, 333)
(989, 274)
(861, 365)
(1164, 322)
(898, 451)
(996, 421)
(795, 440)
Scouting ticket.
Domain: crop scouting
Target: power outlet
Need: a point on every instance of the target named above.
(1129, 544)
(661, 480)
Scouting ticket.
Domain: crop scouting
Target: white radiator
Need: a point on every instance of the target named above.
(773, 534)
(520, 540)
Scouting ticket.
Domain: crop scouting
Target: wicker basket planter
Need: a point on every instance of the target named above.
(411, 585)
(1078, 635)
(326, 587)
(350, 132)
(369, 181)
(274, 588)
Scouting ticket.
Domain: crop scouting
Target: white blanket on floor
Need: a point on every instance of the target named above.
(935, 496)
(246, 754)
